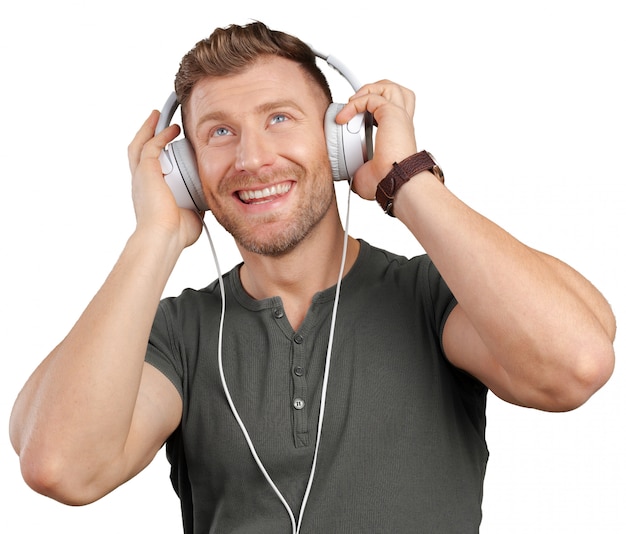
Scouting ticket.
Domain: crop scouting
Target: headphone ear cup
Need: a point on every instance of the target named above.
(349, 145)
(184, 180)
(178, 163)
(334, 142)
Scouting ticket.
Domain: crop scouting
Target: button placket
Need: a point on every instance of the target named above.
(299, 399)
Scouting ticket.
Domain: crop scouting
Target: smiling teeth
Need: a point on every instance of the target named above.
(264, 194)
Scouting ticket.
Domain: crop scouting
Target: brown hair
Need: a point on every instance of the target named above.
(232, 49)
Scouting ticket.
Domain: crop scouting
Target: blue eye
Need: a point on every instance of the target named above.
(221, 132)
(278, 118)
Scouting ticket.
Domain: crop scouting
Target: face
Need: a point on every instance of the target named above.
(261, 151)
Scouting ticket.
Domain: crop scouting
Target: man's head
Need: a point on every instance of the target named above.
(254, 103)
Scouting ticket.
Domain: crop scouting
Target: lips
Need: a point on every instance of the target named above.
(266, 194)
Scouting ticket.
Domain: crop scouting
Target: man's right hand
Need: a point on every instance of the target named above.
(154, 203)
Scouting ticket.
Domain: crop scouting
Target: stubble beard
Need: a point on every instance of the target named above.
(256, 238)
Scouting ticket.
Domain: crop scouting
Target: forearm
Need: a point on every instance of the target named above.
(78, 405)
(538, 318)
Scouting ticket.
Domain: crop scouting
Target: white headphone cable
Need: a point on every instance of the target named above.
(233, 409)
(295, 528)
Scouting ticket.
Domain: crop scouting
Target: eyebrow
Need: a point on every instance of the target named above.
(266, 107)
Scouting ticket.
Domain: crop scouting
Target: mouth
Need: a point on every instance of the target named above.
(267, 194)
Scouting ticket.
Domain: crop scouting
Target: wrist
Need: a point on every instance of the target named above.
(157, 240)
(401, 173)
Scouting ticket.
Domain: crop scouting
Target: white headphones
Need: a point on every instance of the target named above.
(349, 146)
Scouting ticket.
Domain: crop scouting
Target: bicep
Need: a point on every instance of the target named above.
(157, 414)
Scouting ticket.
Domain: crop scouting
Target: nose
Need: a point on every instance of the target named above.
(254, 151)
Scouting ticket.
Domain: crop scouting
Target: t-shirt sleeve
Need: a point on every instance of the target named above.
(442, 301)
(163, 350)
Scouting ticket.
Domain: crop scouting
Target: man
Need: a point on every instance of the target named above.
(416, 343)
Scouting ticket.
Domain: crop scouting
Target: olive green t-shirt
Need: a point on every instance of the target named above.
(403, 446)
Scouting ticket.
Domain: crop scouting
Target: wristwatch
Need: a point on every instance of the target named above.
(401, 173)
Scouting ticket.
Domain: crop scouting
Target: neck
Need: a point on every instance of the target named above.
(297, 276)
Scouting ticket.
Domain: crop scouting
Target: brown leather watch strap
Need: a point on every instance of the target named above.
(401, 173)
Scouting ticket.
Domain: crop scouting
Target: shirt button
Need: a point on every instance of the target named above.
(298, 339)
(298, 371)
(278, 313)
(298, 403)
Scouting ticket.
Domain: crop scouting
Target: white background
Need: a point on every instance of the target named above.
(522, 103)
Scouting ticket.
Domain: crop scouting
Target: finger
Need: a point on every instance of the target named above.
(145, 144)
(372, 97)
(141, 137)
(392, 92)
(379, 107)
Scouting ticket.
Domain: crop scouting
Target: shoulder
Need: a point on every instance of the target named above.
(194, 301)
(414, 270)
